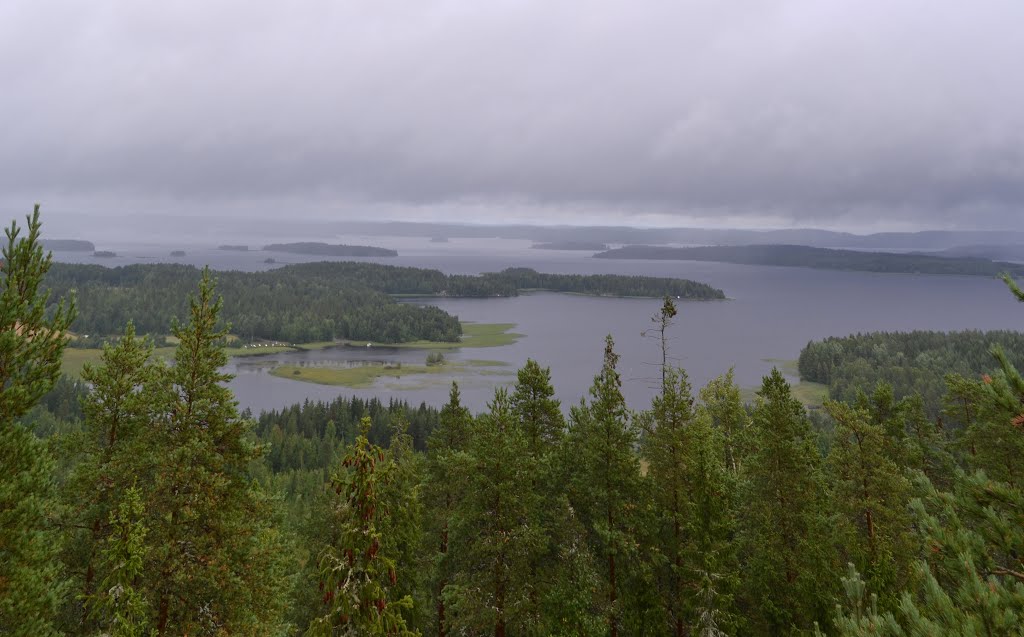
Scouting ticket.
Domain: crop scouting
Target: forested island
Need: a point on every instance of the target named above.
(234, 248)
(177, 253)
(104, 254)
(328, 250)
(141, 502)
(69, 245)
(571, 245)
(310, 302)
(820, 258)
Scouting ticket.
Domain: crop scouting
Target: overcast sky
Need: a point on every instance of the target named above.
(842, 114)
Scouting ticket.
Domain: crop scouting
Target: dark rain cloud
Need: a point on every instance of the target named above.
(850, 113)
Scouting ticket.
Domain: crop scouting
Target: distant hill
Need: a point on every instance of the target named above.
(68, 245)
(590, 246)
(328, 250)
(928, 240)
(820, 258)
(1001, 252)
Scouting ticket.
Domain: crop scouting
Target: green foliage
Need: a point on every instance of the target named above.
(313, 302)
(31, 338)
(357, 573)
(109, 455)
(721, 401)
(443, 493)
(32, 341)
(872, 497)
(911, 362)
(560, 568)
(785, 530)
(494, 528)
(693, 496)
(117, 602)
(298, 304)
(605, 489)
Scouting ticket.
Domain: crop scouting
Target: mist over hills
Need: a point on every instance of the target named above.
(1001, 245)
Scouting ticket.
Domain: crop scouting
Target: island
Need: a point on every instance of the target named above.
(177, 253)
(106, 254)
(820, 258)
(325, 301)
(234, 248)
(329, 250)
(590, 246)
(68, 245)
(439, 239)
(270, 260)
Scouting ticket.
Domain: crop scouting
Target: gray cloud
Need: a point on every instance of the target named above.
(802, 111)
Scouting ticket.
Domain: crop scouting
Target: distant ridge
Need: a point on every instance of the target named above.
(328, 250)
(591, 246)
(820, 258)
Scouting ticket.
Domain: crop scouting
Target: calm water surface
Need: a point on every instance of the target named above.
(771, 313)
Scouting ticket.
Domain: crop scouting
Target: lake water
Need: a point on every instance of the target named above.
(772, 312)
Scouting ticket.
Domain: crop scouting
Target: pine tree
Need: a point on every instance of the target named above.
(994, 441)
(493, 528)
(110, 456)
(872, 497)
(443, 491)
(606, 486)
(357, 573)
(665, 448)
(783, 522)
(538, 415)
(927, 447)
(214, 551)
(32, 342)
(710, 556)
(972, 580)
(692, 500)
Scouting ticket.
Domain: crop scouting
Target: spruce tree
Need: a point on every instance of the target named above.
(32, 341)
(784, 526)
(358, 574)
(118, 605)
(606, 486)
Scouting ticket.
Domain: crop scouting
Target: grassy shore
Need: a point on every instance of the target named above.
(365, 376)
(812, 395)
(473, 335)
(76, 358)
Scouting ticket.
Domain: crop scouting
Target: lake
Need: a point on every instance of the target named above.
(772, 312)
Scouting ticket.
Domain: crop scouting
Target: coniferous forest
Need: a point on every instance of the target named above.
(142, 502)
